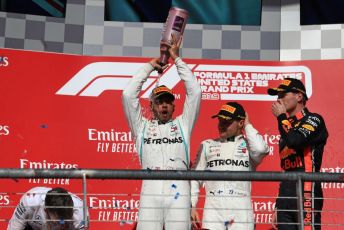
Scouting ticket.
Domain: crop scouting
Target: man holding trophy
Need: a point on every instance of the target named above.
(163, 142)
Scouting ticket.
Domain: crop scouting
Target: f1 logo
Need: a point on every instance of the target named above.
(95, 78)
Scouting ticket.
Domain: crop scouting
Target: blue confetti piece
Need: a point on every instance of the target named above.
(177, 195)
(229, 223)
(122, 222)
(44, 126)
(174, 186)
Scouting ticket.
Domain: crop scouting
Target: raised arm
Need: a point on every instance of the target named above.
(130, 99)
(193, 94)
(193, 90)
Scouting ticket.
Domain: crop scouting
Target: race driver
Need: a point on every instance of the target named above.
(43, 208)
(303, 138)
(228, 203)
(163, 144)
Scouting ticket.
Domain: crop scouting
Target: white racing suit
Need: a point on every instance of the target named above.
(228, 203)
(30, 211)
(163, 147)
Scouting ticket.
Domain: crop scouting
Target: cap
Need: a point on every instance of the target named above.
(160, 91)
(231, 110)
(289, 85)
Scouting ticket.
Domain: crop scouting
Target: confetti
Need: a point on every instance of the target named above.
(44, 126)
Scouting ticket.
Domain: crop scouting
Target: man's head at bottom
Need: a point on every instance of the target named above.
(59, 209)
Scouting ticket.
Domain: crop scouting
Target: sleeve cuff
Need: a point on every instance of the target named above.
(177, 60)
(282, 117)
(148, 67)
(249, 128)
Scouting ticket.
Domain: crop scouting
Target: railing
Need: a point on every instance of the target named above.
(85, 174)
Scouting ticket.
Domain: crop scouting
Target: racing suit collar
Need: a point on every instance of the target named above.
(298, 116)
(231, 139)
(161, 123)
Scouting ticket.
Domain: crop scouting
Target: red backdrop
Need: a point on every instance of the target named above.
(65, 111)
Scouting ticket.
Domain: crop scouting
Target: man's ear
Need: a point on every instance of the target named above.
(47, 214)
(241, 123)
(299, 97)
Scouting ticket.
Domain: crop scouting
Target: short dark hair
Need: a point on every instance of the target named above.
(59, 202)
(304, 99)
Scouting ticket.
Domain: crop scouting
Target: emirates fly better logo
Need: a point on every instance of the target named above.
(218, 82)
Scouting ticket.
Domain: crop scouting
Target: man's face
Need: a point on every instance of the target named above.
(289, 100)
(55, 223)
(52, 221)
(163, 108)
(230, 128)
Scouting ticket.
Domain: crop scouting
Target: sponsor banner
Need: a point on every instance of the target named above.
(332, 185)
(62, 111)
(112, 141)
(114, 210)
(238, 82)
(263, 211)
(44, 164)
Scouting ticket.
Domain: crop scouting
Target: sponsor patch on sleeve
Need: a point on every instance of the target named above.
(308, 127)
